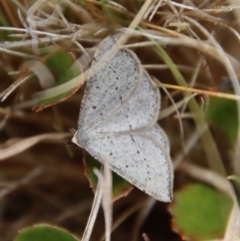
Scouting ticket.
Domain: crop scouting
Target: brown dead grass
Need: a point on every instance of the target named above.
(42, 179)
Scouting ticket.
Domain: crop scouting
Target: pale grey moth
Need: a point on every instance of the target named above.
(118, 121)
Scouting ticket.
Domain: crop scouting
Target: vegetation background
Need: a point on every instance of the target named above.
(191, 46)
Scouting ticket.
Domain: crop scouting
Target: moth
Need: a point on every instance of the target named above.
(118, 121)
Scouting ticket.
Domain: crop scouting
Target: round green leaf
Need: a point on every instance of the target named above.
(65, 69)
(44, 232)
(200, 212)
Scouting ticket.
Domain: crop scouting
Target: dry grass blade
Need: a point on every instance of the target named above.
(150, 202)
(29, 177)
(21, 145)
(145, 237)
(105, 182)
(13, 86)
(93, 215)
(172, 109)
(203, 92)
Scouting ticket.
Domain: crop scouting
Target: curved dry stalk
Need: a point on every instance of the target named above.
(150, 202)
(93, 214)
(188, 145)
(105, 181)
(135, 22)
(125, 215)
(177, 105)
(192, 81)
(178, 114)
(22, 145)
(16, 53)
(50, 34)
(111, 5)
(26, 43)
(103, 194)
(26, 179)
(19, 5)
(85, 15)
(145, 237)
(74, 210)
(153, 8)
